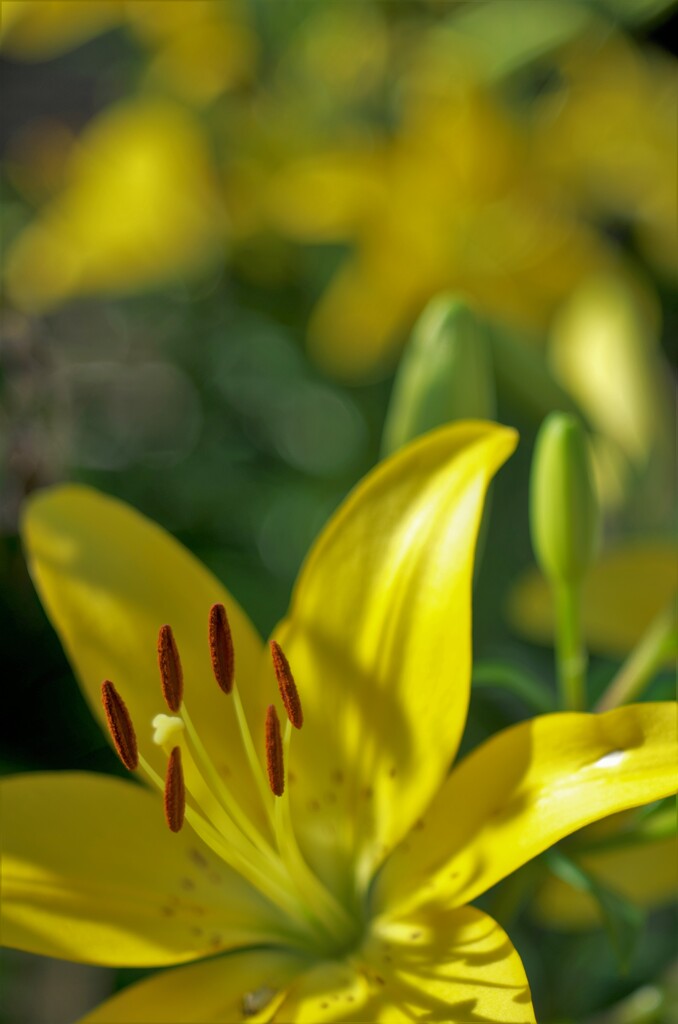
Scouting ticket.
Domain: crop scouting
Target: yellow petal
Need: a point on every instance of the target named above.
(240, 987)
(355, 327)
(604, 351)
(525, 789)
(90, 872)
(326, 197)
(379, 640)
(109, 578)
(622, 594)
(645, 873)
(438, 964)
(140, 207)
(450, 964)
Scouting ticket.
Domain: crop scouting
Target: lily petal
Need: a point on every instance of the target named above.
(379, 640)
(241, 987)
(525, 789)
(645, 873)
(108, 579)
(439, 964)
(90, 872)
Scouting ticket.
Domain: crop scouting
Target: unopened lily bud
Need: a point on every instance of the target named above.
(445, 373)
(564, 514)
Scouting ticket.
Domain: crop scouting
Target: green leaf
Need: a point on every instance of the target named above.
(505, 37)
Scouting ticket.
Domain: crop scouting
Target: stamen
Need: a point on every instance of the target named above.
(274, 752)
(171, 673)
(120, 725)
(221, 648)
(175, 791)
(287, 686)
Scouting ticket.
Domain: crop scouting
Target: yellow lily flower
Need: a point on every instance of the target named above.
(140, 206)
(343, 898)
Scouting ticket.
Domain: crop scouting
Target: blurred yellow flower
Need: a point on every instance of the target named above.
(197, 48)
(606, 138)
(344, 897)
(37, 30)
(496, 200)
(450, 202)
(604, 350)
(622, 594)
(140, 206)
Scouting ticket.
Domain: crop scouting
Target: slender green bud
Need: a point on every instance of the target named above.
(445, 373)
(564, 515)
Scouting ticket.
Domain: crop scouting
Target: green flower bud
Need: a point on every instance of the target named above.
(445, 373)
(564, 515)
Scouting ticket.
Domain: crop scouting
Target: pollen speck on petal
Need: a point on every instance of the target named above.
(175, 791)
(274, 752)
(120, 725)
(287, 686)
(221, 648)
(171, 672)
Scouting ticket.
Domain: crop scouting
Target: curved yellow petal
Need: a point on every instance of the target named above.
(90, 872)
(379, 640)
(434, 964)
(645, 873)
(140, 206)
(240, 987)
(336, 990)
(451, 964)
(108, 579)
(525, 789)
(622, 594)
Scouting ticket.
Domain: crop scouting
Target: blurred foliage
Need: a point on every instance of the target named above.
(222, 220)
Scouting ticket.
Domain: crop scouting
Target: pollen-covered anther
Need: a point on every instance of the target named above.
(175, 791)
(171, 672)
(287, 685)
(274, 752)
(120, 725)
(221, 648)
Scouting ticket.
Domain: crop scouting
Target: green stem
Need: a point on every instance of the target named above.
(571, 656)
(657, 644)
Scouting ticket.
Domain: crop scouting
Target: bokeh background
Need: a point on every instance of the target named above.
(221, 221)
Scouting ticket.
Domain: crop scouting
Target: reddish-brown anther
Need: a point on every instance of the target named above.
(221, 648)
(175, 791)
(120, 725)
(171, 672)
(287, 686)
(274, 752)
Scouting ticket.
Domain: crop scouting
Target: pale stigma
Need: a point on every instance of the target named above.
(167, 730)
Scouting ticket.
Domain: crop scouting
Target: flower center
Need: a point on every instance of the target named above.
(270, 858)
